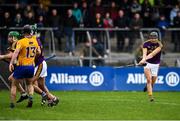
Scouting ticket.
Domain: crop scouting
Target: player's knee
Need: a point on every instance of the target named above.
(41, 84)
(10, 78)
(149, 81)
(13, 93)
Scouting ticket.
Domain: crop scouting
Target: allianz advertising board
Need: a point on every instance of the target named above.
(80, 78)
(134, 79)
(108, 78)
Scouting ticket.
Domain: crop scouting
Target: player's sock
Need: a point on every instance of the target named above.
(23, 96)
(43, 94)
(12, 105)
(150, 93)
(145, 88)
(44, 98)
(30, 102)
(30, 98)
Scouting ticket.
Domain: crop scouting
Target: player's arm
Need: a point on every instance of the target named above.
(14, 56)
(38, 51)
(144, 56)
(6, 56)
(156, 51)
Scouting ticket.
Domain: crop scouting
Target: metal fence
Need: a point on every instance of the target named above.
(48, 38)
(107, 36)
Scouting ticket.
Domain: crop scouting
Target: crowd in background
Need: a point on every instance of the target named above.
(67, 14)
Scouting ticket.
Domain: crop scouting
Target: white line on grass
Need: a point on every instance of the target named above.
(133, 100)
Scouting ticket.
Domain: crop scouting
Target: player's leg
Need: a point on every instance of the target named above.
(148, 75)
(154, 78)
(154, 71)
(39, 70)
(30, 90)
(53, 100)
(39, 91)
(23, 93)
(12, 94)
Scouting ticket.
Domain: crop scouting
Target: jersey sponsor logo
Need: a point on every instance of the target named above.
(96, 78)
(172, 79)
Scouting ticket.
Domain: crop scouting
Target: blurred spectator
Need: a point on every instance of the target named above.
(135, 7)
(98, 46)
(41, 23)
(146, 14)
(69, 23)
(98, 21)
(107, 21)
(78, 16)
(121, 22)
(28, 10)
(17, 9)
(113, 11)
(125, 6)
(23, 2)
(77, 13)
(86, 52)
(45, 3)
(56, 21)
(136, 24)
(29, 19)
(18, 21)
(176, 40)
(162, 24)
(85, 22)
(6, 20)
(169, 3)
(155, 16)
(151, 2)
(96, 8)
(173, 14)
(41, 11)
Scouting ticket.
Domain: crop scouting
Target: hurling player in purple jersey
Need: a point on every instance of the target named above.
(40, 75)
(151, 56)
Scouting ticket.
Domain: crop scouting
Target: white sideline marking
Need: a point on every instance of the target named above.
(132, 100)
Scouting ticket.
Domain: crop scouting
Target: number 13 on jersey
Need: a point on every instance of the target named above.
(30, 52)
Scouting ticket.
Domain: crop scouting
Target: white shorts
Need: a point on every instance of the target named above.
(41, 70)
(154, 68)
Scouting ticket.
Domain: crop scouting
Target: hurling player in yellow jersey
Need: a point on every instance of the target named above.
(13, 37)
(23, 57)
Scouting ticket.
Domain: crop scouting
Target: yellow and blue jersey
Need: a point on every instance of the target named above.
(28, 48)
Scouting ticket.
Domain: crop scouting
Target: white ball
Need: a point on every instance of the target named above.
(94, 66)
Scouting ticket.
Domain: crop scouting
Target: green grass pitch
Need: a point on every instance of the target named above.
(84, 105)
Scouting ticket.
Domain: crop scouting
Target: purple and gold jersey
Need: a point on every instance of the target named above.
(40, 58)
(12, 47)
(151, 46)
